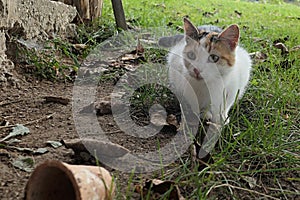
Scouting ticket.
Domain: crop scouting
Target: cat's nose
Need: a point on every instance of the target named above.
(197, 72)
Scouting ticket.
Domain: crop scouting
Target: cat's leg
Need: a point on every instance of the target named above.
(208, 116)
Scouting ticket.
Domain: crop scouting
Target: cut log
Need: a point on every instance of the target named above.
(88, 10)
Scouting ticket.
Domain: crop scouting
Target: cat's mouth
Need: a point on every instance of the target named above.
(196, 74)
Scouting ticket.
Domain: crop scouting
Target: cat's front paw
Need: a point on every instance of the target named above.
(208, 116)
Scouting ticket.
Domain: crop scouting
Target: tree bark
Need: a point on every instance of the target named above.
(119, 14)
(88, 10)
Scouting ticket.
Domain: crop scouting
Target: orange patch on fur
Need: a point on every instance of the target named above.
(218, 46)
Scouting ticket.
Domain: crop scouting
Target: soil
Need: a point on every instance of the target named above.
(25, 103)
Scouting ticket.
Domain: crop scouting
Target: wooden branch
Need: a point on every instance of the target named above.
(119, 14)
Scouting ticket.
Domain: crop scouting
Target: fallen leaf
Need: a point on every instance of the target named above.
(139, 48)
(172, 120)
(238, 14)
(104, 149)
(40, 151)
(282, 47)
(18, 130)
(295, 48)
(54, 144)
(79, 47)
(24, 163)
(256, 39)
(13, 141)
(258, 56)
(159, 189)
(251, 181)
(286, 116)
(29, 150)
(26, 150)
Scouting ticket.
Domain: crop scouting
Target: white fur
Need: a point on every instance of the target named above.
(215, 94)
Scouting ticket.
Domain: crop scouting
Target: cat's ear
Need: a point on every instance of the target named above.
(230, 36)
(190, 30)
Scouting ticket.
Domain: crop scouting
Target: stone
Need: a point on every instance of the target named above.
(35, 19)
(31, 20)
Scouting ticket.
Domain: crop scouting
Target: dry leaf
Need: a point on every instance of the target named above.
(79, 47)
(295, 48)
(139, 48)
(251, 181)
(238, 14)
(129, 57)
(18, 130)
(24, 163)
(54, 144)
(172, 120)
(282, 47)
(258, 56)
(103, 149)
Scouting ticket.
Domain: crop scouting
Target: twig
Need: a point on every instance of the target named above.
(30, 122)
(3, 103)
(111, 132)
(244, 189)
(10, 102)
(55, 99)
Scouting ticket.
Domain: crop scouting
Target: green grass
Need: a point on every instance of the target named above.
(259, 149)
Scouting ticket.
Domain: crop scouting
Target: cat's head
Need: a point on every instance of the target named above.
(206, 50)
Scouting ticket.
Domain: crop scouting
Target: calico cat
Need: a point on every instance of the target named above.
(208, 68)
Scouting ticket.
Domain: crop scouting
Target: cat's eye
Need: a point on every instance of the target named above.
(213, 58)
(191, 55)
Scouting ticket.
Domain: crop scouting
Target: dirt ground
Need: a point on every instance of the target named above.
(25, 104)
